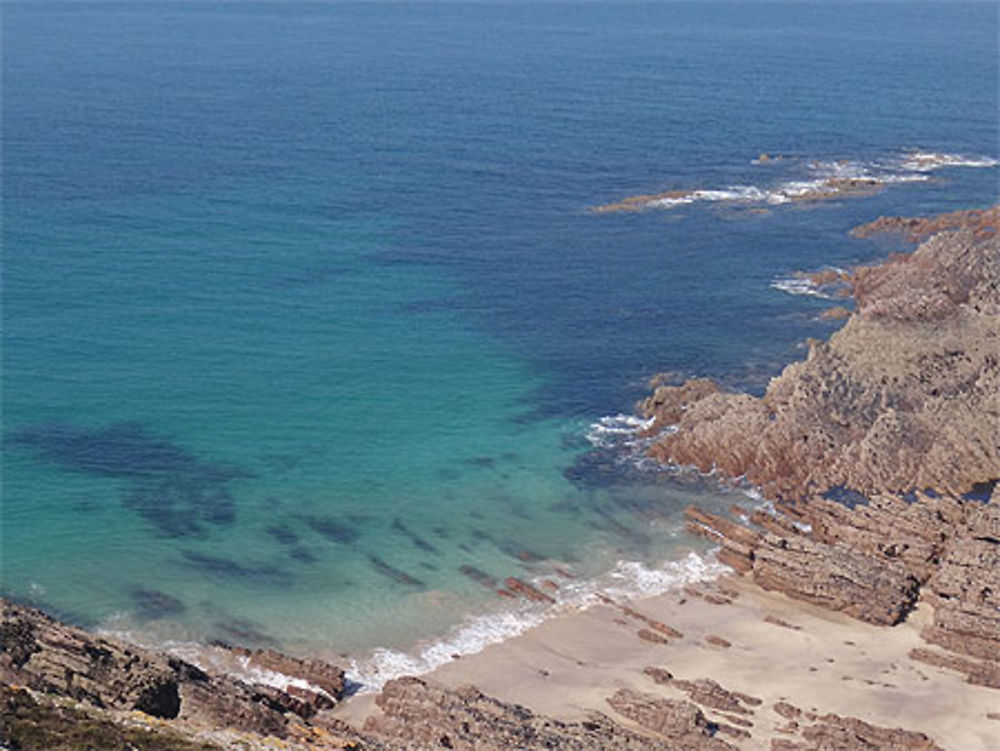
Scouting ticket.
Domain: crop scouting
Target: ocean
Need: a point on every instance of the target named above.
(310, 335)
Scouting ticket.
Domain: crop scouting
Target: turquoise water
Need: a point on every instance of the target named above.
(304, 309)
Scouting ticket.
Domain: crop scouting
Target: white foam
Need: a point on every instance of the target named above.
(628, 579)
(912, 167)
(477, 633)
(633, 579)
(616, 430)
(927, 161)
(798, 285)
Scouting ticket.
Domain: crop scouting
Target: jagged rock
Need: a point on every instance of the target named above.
(527, 591)
(906, 395)
(984, 224)
(831, 576)
(832, 732)
(849, 733)
(416, 715)
(47, 656)
(38, 722)
(325, 682)
(976, 672)
(708, 693)
(680, 721)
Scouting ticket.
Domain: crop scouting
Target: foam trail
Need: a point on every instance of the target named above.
(629, 579)
(833, 179)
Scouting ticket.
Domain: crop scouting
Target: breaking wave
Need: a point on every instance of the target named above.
(628, 579)
(821, 180)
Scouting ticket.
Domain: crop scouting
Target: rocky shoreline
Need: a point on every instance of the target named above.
(881, 452)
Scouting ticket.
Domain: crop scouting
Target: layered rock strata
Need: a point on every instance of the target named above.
(905, 396)
(416, 715)
(904, 399)
(41, 654)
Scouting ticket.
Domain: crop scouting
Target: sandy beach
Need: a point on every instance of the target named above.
(781, 651)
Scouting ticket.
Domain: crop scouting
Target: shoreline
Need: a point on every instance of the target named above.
(863, 621)
(814, 659)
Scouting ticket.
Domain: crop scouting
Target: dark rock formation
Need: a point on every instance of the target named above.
(416, 715)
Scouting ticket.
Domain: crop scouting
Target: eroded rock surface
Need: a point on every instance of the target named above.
(42, 654)
(906, 395)
(832, 731)
(416, 715)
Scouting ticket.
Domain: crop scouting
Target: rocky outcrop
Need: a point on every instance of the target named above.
(31, 722)
(680, 721)
(832, 731)
(416, 715)
(44, 655)
(984, 224)
(874, 561)
(905, 396)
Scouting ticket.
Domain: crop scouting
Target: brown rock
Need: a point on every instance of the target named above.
(416, 715)
(659, 675)
(651, 636)
(517, 586)
(680, 721)
(875, 409)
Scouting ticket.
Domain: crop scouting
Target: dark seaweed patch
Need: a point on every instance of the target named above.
(242, 633)
(227, 568)
(331, 529)
(478, 576)
(416, 539)
(302, 555)
(394, 573)
(151, 604)
(168, 486)
(484, 462)
(283, 534)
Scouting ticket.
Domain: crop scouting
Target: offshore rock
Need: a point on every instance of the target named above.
(984, 224)
(416, 715)
(906, 395)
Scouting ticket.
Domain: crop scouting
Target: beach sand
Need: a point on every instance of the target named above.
(818, 661)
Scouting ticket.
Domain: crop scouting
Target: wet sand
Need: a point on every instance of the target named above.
(816, 660)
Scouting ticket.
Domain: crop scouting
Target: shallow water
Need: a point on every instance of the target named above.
(304, 309)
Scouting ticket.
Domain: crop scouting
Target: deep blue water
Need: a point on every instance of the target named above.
(304, 309)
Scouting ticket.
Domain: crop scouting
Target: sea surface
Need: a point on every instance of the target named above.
(310, 338)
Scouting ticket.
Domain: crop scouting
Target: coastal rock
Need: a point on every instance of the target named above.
(517, 586)
(851, 734)
(906, 395)
(984, 223)
(832, 576)
(416, 715)
(324, 681)
(680, 721)
(832, 731)
(42, 654)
